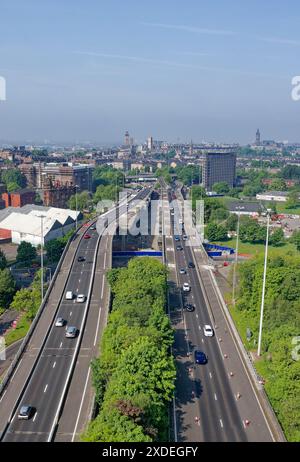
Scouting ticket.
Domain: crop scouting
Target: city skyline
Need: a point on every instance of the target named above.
(87, 74)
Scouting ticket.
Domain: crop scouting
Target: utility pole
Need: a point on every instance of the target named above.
(264, 287)
(42, 256)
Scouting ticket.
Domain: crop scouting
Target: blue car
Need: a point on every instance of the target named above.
(200, 357)
(177, 238)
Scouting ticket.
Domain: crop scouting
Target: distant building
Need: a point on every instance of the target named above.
(127, 139)
(19, 198)
(245, 208)
(217, 167)
(150, 143)
(276, 196)
(257, 137)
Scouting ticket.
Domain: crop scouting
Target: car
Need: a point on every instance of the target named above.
(177, 238)
(182, 271)
(80, 298)
(200, 357)
(191, 264)
(86, 236)
(208, 332)
(179, 247)
(184, 237)
(71, 332)
(189, 307)
(186, 287)
(92, 228)
(69, 295)
(60, 322)
(25, 412)
(80, 258)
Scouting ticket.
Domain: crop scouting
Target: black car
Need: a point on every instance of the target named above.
(200, 357)
(81, 259)
(191, 264)
(26, 412)
(189, 307)
(179, 247)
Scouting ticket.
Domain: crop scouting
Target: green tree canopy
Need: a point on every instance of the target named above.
(7, 288)
(26, 253)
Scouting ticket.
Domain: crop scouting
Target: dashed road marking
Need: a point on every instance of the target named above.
(46, 388)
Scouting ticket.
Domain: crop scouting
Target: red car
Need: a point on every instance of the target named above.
(86, 236)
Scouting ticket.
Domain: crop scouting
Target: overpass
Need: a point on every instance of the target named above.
(52, 372)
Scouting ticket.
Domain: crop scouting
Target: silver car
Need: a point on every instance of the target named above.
(71, 332)
(60, 322)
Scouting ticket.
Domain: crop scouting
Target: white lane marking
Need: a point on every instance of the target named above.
(98, 322)
(3, 395)
(82, 399)
(199, 327)
(102, 290)
(60, 345)
(197, 316)
(221, 423)
(216, 399)
(104, 263)
(202, 340)
(54, 364)
(210, 375)
(46, 388)
(70, 313)
(34, 417)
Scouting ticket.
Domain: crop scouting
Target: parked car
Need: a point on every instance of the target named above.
(26, 412)
(200, 357)
(71, 332)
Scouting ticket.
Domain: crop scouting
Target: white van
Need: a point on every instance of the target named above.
(69, 295)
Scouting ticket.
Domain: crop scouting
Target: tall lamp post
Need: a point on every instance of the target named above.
(76, 204)
(239, 208)
(264, 286)
(42, 255)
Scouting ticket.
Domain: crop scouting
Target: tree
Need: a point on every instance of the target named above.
(295, 239)
(292, 200)
(83, 201)
(278, 184)
(54, 250)
(231, 222)
(277, 237)
(7, 288)
(3, 261)
(221, 187)
(26, 253)
(28, 301)
(215, 232)
(12, 186)
(14, 176)
(251, 231)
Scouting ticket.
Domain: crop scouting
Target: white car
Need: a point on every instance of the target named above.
(60, 322)
(80, 298)
(208, 332)
(182, 271)
(186, 287)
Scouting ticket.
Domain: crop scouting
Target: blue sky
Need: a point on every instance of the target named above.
(204, 70)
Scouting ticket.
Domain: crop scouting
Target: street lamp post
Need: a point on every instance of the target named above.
(42, 255)
(236, 256)
(76, 205)
(264, 287)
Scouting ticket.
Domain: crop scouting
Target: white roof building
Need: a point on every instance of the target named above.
(25, 223)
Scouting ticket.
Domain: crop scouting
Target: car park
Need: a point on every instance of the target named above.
(60, 322)
(208, 331)
(71, 332)
(80, 298)
(200, 357)
(186, 287)
(25, 412)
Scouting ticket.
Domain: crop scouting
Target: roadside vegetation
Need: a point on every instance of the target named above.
(134, 378)
(280, 361)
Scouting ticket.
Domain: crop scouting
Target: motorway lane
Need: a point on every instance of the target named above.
(57, 347)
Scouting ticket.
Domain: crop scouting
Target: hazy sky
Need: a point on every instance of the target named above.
(208, 70)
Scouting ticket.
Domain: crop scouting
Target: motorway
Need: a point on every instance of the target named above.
(206, 406)
(46, 388)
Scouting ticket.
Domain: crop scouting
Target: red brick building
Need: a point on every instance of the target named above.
(19, 198)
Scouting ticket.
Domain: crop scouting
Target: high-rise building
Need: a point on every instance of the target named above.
(217, 167)
(127, 139)
(150, 143)
(257, 137)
